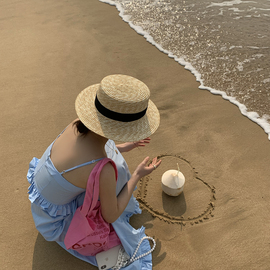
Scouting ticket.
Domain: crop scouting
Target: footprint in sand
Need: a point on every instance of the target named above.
(194, 205)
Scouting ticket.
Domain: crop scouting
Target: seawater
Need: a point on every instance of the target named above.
(225, 44)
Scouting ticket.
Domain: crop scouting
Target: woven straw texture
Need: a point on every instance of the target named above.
(122, 94)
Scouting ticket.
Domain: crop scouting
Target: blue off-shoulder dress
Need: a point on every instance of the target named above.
(54, 201)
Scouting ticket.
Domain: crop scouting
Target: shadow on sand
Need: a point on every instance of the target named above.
(49, 255)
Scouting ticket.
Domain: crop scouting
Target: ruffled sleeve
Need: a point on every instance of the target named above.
(51, 220)
(52, 209)
(36, 198)
(32, 166)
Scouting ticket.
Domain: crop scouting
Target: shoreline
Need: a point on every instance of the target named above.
(53, 50)
(253, 116)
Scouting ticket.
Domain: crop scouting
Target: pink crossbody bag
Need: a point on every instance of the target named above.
(88, 232)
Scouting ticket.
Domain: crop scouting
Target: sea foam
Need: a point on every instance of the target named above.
(254, 116)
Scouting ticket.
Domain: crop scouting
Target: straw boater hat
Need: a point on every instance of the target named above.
(118, 108)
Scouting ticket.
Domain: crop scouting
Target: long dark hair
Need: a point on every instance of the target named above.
(81, 128)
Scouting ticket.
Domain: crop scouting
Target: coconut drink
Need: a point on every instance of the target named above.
(173, 182)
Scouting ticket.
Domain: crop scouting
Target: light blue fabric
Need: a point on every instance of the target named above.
(54, 201)
(81, 165)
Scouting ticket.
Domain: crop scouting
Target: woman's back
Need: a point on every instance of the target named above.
(71, 149)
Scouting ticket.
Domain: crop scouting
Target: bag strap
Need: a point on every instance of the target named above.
(92, 189)
(123, 262)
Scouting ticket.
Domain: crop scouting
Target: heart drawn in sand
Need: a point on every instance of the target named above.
(194, 205)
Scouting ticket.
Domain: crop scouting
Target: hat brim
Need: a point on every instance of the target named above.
(112, 129)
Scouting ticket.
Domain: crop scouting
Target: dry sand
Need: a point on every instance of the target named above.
(50, 51)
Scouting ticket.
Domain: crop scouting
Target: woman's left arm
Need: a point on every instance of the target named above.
(128, 146)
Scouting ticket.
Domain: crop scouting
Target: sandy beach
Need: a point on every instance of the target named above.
(50, 51)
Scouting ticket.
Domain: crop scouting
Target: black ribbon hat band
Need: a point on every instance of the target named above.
(122, 117)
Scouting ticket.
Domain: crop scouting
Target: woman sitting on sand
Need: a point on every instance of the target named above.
(116, 109)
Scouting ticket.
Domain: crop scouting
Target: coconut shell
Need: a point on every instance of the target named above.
(173, 182)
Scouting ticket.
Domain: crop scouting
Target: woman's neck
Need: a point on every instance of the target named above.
(94, 142)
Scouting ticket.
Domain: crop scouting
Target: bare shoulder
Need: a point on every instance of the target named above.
(107, 172)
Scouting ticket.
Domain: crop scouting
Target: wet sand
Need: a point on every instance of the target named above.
(50, 51)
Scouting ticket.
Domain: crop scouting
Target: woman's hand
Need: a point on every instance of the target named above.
(143, 169)
(111, 206)
(128, 146)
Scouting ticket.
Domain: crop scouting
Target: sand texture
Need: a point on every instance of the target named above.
(50, 51)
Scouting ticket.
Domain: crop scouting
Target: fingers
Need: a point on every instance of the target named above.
(155, 163)
(142, 142)
(144, 169)
(158, 163)
(145, 161)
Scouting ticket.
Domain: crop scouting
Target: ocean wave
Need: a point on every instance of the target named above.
(142, 28)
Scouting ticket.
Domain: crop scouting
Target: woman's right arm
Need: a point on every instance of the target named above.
(112, 206)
